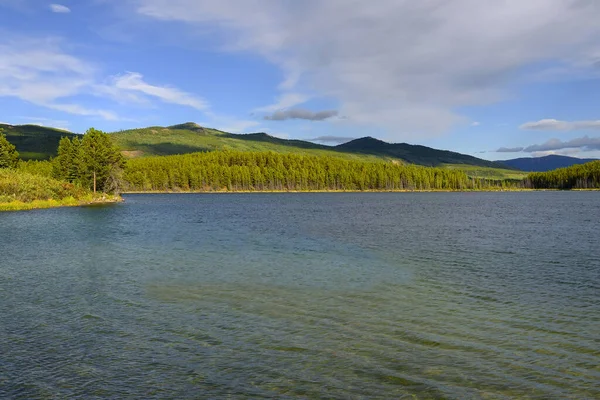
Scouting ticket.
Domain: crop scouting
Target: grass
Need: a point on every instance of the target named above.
(21, 190)
(487, 172)
(17, 205)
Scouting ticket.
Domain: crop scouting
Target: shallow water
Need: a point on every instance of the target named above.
(374, 295)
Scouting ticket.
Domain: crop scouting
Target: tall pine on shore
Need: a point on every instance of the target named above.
(92, 161)
(9, 157)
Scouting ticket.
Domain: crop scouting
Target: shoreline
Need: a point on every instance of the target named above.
(18, 205)
(353, 191)
(112, 199)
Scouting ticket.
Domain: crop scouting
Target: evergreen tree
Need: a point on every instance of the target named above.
(100, 162)
(9, 157)
(63, 163)
(233, 171)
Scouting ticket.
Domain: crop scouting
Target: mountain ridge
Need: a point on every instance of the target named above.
(414, 153)
(35, 142)
(545, 163)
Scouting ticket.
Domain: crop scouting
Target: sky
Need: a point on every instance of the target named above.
(495, 79)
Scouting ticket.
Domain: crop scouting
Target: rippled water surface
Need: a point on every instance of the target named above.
(430, 295)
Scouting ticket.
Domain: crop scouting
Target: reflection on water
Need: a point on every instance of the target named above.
(474, 295)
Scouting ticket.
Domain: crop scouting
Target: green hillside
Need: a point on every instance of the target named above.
(413, 154)
(192, 138)
(34, 142)
(487, 172)
(189, 138)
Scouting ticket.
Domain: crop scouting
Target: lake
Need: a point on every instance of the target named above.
(323, 295)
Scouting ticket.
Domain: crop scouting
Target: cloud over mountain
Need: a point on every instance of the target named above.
(556, 125)
(405, 66)
(300, 113)
(584, 143)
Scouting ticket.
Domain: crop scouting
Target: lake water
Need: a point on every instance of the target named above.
(373, 295)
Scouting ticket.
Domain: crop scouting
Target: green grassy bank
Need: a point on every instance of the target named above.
(21, 190)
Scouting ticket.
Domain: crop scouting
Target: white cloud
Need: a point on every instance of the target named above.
(402, 65)
(284, 101)
(42, 73)
(557, 146)
(475, 123)
(556, 125)
(59, 8)
(233, 125)
(583, 143)
(134, 82)
(80, 110)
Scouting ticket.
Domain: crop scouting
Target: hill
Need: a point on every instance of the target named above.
(192, 138)
(189, 137)
(413, 154)
(543, 164)
(34, 142)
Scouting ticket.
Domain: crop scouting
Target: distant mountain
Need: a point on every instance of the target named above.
(414, 154)
(546, 163)
(34, 142)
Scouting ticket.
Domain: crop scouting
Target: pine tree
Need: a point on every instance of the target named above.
(100, 162)
(9, 157)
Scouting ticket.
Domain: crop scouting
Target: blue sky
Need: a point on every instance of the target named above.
(494, 79)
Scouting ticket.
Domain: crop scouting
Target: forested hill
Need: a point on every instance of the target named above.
(41, 143)
(34, 142)
(189, 138)
(413, 154)
(546, 163)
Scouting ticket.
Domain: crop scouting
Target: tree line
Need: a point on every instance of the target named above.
(258, 171)
(94, 162)
(582, 176)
